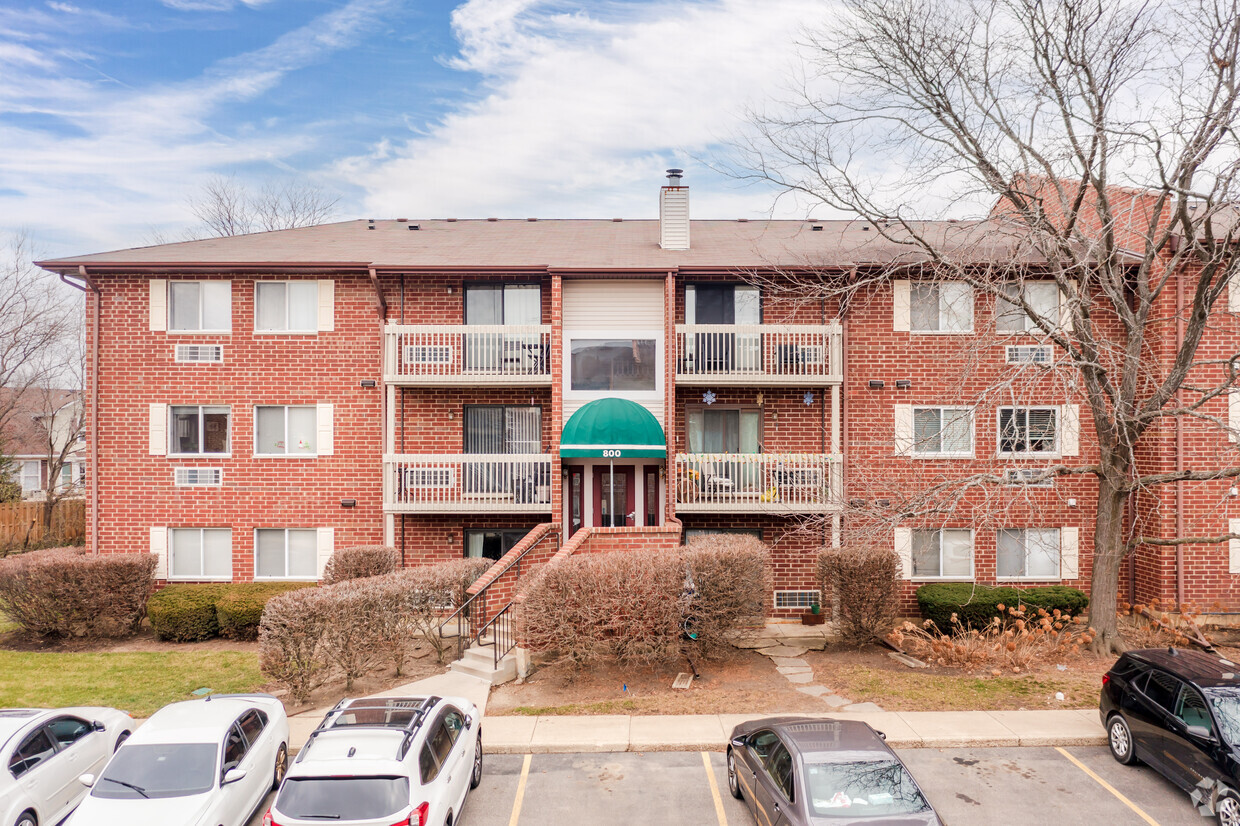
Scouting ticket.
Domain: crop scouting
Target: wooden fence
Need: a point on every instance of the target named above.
(21, 524)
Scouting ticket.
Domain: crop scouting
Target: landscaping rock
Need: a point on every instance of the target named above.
(754, 642)
(803, 679)
(788, 670)
(788, 662)
(911, 662)
(835, 701)
(783, 651)
(813, 690)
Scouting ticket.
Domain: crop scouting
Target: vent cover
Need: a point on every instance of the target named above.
(1024, 475)
(428, 354)
(429, 477)
(198, 477)
(1028, 354)
(200, 353)
(795, 599)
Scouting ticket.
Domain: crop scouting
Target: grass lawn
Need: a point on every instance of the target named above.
(139, 683)
(918, 690)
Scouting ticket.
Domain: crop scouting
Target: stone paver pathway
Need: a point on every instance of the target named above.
(785, 644)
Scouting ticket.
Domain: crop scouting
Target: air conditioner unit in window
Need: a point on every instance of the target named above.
(795, 599)
(198, 477)
(1027, 476)
(428, 354)
(1028, 354)
(812, 354)
(200, 353)
(429, 477)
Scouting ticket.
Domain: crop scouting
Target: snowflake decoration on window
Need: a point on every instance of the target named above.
(709, 397)
(809, 398)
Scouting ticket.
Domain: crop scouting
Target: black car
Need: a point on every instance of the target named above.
(1179, 711)
(794, 771)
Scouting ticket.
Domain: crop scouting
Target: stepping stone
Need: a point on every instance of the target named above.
(754, 642)
(788, 662)
(911, 662)
(813, 690)
(802, 679)
(782, 651)
(835, 701)
(862, 707)
(795, 669)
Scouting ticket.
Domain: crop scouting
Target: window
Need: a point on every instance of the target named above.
(286, 553)
(943, 431)
(286, 306)
(234, 748)
(66, 476)
(503, 304)
(614, 364)
(427, 764)
(502, 429)
(1162, 689)
(1041, 296)
(1029, 553)
(1192, 711)
(779, 768)
(942, 553)
(509, 305)
(32, 477)
(285, 431)
(200, 306)
(200, 553)
(198, 430)
(723, 430)
(941, 308)
(68, 730)
(34, 750)
(252, 724)
(454, 723)
(715, 350)
(491, 544)
(1028, 430)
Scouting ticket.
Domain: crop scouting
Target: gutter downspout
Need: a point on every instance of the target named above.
(89, 286)
(1179, 451)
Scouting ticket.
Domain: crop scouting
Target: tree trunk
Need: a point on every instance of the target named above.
(1109, 547)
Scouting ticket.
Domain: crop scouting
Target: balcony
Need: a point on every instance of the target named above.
(758, 482)
(758, 354)
(448, 355)
(467, 483)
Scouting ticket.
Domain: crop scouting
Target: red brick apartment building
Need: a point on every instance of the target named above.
(470, 387)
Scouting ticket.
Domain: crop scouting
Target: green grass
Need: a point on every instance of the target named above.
(139, 683)
(600, 707)
(918, 691)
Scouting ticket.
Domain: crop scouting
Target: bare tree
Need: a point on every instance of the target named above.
(61, 426)
(225, 206)
(1102, 136)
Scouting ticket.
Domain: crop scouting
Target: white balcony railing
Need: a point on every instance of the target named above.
(473, 354)
(758, 482)
(772, 354)
(467, 483)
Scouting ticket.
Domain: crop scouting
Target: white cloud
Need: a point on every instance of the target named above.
(211, 5)
(582, 112)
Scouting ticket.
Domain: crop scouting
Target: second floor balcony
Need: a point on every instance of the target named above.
(467, 483)
(446, 355)
(758, 354)
(758, 482)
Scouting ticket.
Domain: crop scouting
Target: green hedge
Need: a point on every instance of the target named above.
(977, 605)
(188, 613)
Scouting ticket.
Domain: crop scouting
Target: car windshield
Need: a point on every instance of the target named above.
(871, 787)
(1225, 703)
(159, 770)
(333, 798)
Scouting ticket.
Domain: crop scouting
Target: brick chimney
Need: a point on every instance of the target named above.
(674, 213)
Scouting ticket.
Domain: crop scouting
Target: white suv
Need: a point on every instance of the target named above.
(396, 761)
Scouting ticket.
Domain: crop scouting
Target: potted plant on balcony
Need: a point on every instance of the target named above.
(813, 616)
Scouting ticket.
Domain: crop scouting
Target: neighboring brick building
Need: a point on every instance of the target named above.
(262, 399)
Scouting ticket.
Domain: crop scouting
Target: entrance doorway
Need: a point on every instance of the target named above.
(614, 488)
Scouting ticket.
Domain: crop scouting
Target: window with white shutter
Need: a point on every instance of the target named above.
(200, 553)
(942, 432)
(900, 297)
(942, 553)
(1028, 431)
(286, 553)
(289, 430)
(158, 304)
(326, 430)
(200, 306)
(159, 547)
(945, 307)
(1029, 553)
(904, 550)
(158, 430)
(286, 306)
(327, 546)
(327, 306)
(1069, 553)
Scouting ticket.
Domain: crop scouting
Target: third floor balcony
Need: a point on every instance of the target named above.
(758, 354)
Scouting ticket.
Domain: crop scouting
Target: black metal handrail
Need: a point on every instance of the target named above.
(503, 639)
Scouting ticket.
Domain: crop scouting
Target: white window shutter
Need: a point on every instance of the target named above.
(1065, 307)
(327, 545)
(159, 430)
(1070, 430)
(1233, 548)
(901, 305)
(1069, 553)
(159, 547)
(904, 429)
(327, 305)
(159, 304)
(1233, 413)
(326, 433)
(1233, 295)
(904, 550)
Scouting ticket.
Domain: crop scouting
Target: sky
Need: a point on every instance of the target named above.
(114, 113)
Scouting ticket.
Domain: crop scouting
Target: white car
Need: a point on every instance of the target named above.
(399, 761)
(204, 762)
(45, 750)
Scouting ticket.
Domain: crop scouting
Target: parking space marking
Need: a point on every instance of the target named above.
(516, 804)
(1108, 787)
(714, 790)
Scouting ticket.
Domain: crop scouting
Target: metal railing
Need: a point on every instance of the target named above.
(445, 354)
(758, 353)
(467, 483)
(503, 633)
(758, 482)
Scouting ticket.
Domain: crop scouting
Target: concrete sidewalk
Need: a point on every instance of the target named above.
(709, 732)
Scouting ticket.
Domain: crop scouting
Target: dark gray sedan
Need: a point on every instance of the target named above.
(801, 770)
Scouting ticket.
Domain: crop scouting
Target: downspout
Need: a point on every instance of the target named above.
(822, 405)
(88, 285)
(1179, 451)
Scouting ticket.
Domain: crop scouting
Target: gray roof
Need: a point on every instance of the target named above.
(559, 244)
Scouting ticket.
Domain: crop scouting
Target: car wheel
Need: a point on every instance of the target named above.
(120, 741)
(734, 784)
(26, 819)
(1227, 809)
(476, 777)
(1119, 738)
(281, 768)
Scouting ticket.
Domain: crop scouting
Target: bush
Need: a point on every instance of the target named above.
(350, 637)
(186, 613)
(360, 562)
(634, 607)
(976, 605)
(290, 640)
(432, 591)
(239, 607)
(63, 592)
(865, 582)
(1021, 637)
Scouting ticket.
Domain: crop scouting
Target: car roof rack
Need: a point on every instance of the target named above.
(420, 711)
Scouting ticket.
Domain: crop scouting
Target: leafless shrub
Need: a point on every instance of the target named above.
(1157, 625)
(432, 591)
(349, 638)
(290, 640)
(731, 582)
(1015, 642)
(865, 582)
(62, 592)
(359, 562)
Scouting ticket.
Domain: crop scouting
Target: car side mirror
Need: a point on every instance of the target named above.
(882, 735)
(87, 780)
(469, 721)
(232, 776)
(98, 726)
(1201, 733)
(738, 742)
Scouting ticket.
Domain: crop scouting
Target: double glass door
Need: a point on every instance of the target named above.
(501, 351)
(723, 351)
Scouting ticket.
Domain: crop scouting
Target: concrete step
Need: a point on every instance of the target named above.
(485, 669)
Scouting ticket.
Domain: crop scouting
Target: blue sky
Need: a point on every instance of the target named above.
(114, 112)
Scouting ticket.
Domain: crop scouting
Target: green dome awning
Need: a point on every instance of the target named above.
(613, 429)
